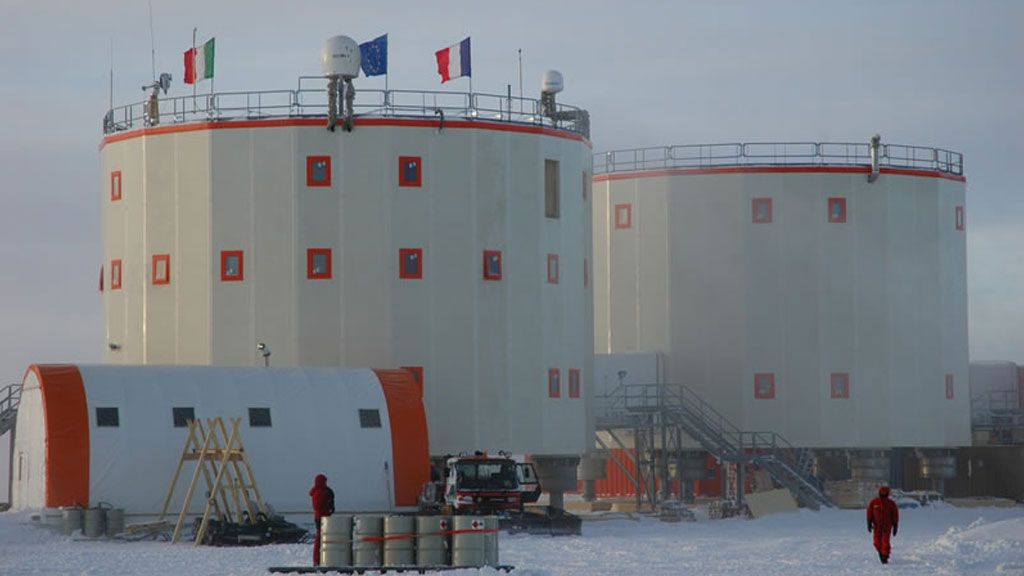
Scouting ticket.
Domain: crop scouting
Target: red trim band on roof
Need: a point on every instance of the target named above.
(410, 444)
(296, 122)
(66, 420)
(772, 170)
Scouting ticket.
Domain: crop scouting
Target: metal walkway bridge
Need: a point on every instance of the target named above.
(661, 415)
(10, 398)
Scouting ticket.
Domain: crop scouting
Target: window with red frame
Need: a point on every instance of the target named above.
(623, 216)
(115, 274)
(837, 210)
(115, 185)
(761, 210)
(960, 218)
(410, 171)
(554, 383)
(318, 170)
(552, 268)
(949, 386)
(417, 376)
(840, 385)
(232, 266)
(574, 383)
(492, 264)
(319, 264)
(161, 269)
(410, 263)
(764, 386)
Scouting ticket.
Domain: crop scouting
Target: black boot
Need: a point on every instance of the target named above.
(882, 558)
(885, 558)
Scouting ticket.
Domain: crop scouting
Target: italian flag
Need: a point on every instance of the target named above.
(199, 62)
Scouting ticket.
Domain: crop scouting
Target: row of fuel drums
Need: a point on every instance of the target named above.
(369, 540)
(92, 522)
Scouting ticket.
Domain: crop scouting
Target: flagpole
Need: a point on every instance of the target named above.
(520, 81)
(194, 30)
(152, 41)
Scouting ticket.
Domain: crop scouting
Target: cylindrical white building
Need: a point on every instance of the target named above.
(90, 434)
(441, 234)
(791, 287)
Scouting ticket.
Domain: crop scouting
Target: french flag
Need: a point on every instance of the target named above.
(454, 61)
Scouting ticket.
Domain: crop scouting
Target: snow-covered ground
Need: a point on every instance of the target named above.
(934, 540)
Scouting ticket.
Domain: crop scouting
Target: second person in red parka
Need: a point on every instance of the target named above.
(323, 505)
(884, 519)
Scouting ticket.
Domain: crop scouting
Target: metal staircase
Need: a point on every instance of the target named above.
(645, 407)
(10, 398)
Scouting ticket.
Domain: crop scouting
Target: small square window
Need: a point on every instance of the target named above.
(259, 417)
(574, 383)
(837, 210)
(552, 268)
(417, 375)
(369, 418)
(840, 382)
(107, 417)
(554, 383)
(318, 171)
(960, 218)
(410, 263)
(115, 274)
(764, 386)
(949, 386)
(410, 171)
(232, 266)
(552, 208)
(761, 210)
(182, 415)
(161, 269)
(115, 185)
(623, 216)
(492, 265)
(318, 264)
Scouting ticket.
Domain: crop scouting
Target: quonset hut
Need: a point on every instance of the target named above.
(444, 232)
(814, 290)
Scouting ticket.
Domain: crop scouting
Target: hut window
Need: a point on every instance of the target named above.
(551, 200)
(161, 269)
(574, 383)
(107, 417)
(552, 268)
(554, 383)
(410, 262)
(369, 418)
(764, 386)
(259, 417)
(115, 274)
(318, 263)
(232, 266)
(492, 264)
(949, 386)
(623, 216)
(840, 385)
(837, 210)
(182, 416)
(115, 186)
(318, 171)
(410, 171)
(761, 209)
(959, 220)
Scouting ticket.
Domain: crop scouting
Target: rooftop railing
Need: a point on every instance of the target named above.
(777, 154)
(311, 101)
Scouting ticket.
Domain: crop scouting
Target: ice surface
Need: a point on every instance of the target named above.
(931, 540)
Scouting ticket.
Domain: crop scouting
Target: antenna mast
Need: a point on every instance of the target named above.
(152, 41)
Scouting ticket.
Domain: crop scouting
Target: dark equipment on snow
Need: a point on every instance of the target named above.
(272, 530)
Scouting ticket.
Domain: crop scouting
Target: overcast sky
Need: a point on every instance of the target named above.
(947, 74)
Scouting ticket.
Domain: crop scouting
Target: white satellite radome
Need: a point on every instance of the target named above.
(551, 82)
(339, 56)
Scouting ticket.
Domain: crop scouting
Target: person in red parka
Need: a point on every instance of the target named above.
(884, 519)
(323, 505)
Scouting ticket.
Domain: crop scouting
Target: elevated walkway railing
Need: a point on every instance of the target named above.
(777, 154)
(10, 399)
(309, 100)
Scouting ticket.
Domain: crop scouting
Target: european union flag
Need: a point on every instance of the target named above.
(375, 56)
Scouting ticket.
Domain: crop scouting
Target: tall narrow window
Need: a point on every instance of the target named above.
(949, 386)
(837, 210)
(586, 185)
(554, 383)
(115, 274)
(492, 264)
(586, 274)
(623, 216)
(410, 263)
(232, 266)
(761, 210)
(840, 385)
(115, 185)
(161, 269)
(764, 386)
(574, 382)
(318, 264)
(552, 268)
(410, 171)
(318, 171)
(417, 375)
(959, 218)
(552, 208)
